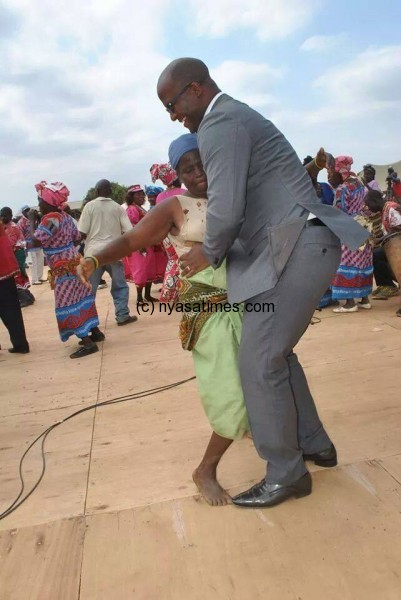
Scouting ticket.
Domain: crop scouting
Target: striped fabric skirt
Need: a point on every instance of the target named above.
(354, 277)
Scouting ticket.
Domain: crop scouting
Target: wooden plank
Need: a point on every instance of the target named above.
(42, 562)
(341, 542)
(146, 451)
(62, 492)
(392, 464)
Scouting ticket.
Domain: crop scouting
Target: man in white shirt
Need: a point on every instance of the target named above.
(102, 221)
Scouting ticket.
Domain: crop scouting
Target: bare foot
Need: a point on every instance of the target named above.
(210, 489)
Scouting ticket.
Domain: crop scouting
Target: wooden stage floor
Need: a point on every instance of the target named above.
(117, 516)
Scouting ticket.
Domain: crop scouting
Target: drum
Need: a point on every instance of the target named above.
(392, 248)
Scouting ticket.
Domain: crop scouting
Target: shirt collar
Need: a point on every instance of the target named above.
(212, 103)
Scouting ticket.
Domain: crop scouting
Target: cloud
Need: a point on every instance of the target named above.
(251, 82)
(322, 43)
(270, 19)
(373, 77)
(78, 100)
(359, 110)
(9, 21)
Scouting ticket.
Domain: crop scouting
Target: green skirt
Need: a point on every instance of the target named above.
(215, 356)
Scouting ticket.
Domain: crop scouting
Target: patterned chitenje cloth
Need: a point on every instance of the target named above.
(75, 305)
(164, 172)
(354, 277)
(192, 297)
(17, 242)
(62, 267)
(169, 291)
(55, 194)
(377, 229)
(391, 217)
(21, 278)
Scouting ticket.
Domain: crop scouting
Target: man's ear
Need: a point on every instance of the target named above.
(197, 87)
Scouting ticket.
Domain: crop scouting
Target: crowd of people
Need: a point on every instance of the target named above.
(235, 192)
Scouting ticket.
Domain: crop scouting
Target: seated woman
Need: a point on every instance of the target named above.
(57, 234)
(212, 336)
(390, 212)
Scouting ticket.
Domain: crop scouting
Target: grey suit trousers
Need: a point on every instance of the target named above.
(282, 412)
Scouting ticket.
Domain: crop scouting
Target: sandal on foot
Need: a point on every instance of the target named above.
(366, 305)
(84, 351)
(342, 309)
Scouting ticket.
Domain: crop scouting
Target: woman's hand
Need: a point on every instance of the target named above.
(85, 270)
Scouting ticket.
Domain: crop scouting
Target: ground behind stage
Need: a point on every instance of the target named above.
(117, 515)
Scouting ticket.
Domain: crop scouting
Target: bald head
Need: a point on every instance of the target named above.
(186, 90)
(184, 70)
(103, 188)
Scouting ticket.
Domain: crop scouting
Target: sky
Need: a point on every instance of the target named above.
(78, 81)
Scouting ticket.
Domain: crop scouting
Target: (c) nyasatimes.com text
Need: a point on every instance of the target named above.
(210, 307)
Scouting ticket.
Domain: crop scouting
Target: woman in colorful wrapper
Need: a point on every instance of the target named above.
(390, 212)
(354, 277)
(57, 234)
(168, 175)
(211, 333)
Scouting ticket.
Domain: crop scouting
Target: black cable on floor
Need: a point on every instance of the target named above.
(18, 500)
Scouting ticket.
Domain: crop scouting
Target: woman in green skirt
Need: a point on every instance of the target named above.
(209, 328)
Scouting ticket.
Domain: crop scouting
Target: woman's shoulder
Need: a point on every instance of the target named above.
(51, 219)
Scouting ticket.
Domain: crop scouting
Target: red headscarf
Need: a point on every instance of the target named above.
(55, 194)
(343, 165)
(164, 172)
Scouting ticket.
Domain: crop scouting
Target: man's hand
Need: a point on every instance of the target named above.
(194, 261)
(84, 271)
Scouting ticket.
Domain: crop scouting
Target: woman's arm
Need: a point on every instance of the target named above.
(151, 230)
(316, 165)
(33, 242)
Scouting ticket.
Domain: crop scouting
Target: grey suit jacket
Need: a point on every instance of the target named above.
(259, 197)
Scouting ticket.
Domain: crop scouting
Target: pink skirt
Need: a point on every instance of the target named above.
(142, 269)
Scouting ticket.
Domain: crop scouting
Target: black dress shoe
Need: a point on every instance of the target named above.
(325, 458)
(263, 494)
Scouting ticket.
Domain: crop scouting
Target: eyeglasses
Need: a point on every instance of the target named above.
(170, 105)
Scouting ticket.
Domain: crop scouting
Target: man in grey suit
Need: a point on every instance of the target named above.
(282, 248)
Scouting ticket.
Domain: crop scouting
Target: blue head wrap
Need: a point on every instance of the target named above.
(185, 143)
(153, 190)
